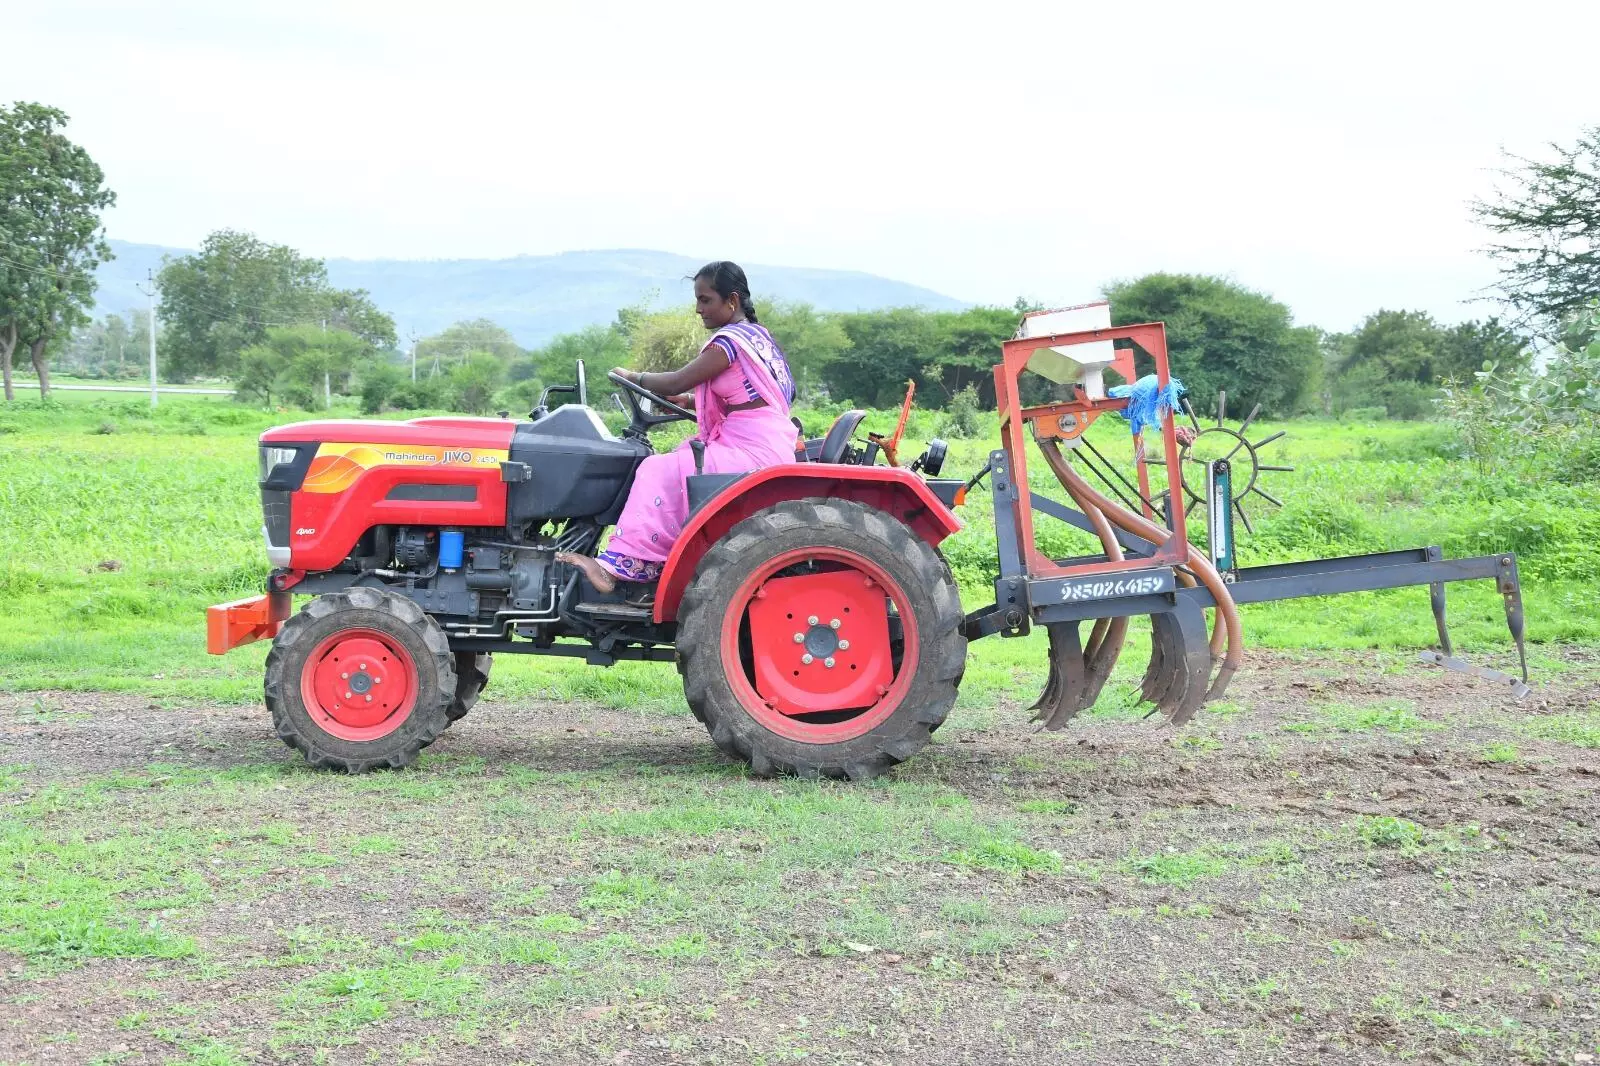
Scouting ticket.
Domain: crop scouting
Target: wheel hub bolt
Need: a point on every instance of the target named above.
(799, 638)
(828, 662)
(349, 696)
(344, 677)
(833, 624)
(369, 699)
(844, 645)
(806, 659)
(812, 620)
(363, 666)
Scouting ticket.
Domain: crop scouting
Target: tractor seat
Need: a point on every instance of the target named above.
(836, 444)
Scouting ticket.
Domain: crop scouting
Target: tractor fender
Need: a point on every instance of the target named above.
(892, 490)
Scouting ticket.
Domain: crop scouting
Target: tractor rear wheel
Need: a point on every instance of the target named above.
(359, 679)
(472, 673)
(820, 637)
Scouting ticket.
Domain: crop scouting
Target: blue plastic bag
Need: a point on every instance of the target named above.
(1147, 401)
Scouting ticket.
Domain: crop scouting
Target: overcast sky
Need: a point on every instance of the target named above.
(1325, 153)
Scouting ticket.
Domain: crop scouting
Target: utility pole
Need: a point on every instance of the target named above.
(327, 376)
(413, 358)
(151, 292)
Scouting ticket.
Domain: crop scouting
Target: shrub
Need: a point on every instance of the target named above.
(962, 416)
(1364, 414)
(379, 383)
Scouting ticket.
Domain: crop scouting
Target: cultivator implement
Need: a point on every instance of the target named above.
(1146, 565)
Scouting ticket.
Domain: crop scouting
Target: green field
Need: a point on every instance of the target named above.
(118, 526)
(1353, 858)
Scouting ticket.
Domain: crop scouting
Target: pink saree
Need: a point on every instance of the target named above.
(736, 441)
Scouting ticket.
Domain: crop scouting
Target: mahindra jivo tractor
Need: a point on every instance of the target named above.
(816, 626)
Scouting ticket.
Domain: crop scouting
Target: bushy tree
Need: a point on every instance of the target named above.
(811, 340)
(223, 299)
(602, 349)
(471, 384)
(379, 382)
(1540, 423)
(454, 344)
(1397, 359)
(293, 365)
(1223, 336)
(664, 340)
(887, 349)
(1546, 220)
(51, 238)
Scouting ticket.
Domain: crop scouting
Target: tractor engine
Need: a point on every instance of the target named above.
(475, 583)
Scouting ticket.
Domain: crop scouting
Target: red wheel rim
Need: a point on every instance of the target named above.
(843, 726)
(359, 684)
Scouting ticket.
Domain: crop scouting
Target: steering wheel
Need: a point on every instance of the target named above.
(638, 391)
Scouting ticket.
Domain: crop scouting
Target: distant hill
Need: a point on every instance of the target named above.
(539, 296)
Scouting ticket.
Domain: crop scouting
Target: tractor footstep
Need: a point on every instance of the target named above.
(621, 611)
(1518, 688)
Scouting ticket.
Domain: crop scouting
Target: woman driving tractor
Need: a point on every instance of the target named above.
(742, 392)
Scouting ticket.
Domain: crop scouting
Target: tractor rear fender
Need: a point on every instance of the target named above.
(892, 490)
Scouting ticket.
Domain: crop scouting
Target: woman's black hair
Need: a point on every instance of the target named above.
(728, 278)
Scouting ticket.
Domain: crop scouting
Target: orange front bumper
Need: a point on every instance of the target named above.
(229, 625)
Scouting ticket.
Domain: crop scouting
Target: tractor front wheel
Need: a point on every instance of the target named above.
(823, 638)
(359, 679)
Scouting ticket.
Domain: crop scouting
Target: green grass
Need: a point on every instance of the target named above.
(1581, 729)
(1391, 717)
(113, 544)
(1176, 868)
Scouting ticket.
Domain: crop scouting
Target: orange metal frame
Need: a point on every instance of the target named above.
(1068, 420)
(229, 625)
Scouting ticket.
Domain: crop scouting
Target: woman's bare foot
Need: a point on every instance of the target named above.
(602, 579)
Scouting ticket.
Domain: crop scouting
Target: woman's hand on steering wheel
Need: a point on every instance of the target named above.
(631, 383)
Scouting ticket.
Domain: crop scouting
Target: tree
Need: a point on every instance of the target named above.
(665, 340)
(473, 381)
(223, 299)
(1396, 360)
(1223, 336)
(51, 237)
(887, 349)
(811, 341)
(602, 349)
(296, 363)
(452, 346)
(1548, 229)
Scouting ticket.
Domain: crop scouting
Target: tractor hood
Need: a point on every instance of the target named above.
(493, 433)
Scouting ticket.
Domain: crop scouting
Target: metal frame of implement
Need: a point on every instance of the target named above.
(1033, 589)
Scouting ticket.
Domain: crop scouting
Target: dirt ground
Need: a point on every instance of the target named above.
(1349, 861)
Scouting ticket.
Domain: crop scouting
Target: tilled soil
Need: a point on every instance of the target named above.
(1282, 881)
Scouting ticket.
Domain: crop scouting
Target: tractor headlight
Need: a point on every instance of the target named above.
(273, 457)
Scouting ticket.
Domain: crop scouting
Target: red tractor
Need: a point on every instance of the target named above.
(807, 606)
(815, 624)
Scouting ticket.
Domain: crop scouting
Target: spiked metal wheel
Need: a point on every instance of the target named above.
(1225, 443)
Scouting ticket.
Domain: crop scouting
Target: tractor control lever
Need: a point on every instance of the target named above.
(698, 446)
(972, 482)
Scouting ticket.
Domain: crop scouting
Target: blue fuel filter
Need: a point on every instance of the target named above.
(451, 543)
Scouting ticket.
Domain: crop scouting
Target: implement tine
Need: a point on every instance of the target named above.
(1066, 662)
(1099, 665)
(1189, 628)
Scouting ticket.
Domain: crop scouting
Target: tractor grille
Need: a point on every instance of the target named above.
(275, 514)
